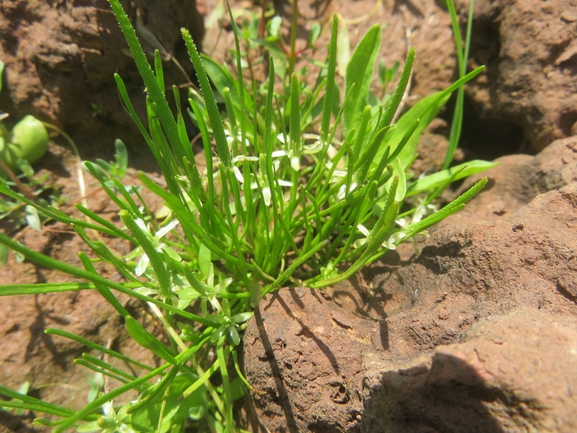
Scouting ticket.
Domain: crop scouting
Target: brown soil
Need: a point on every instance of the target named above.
(475, 334)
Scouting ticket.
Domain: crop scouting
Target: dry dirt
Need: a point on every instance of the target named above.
(477, 333)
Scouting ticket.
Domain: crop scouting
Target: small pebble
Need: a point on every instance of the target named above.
(569, 16)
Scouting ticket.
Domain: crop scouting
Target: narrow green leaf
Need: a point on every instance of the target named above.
(43, 406)
(204, 260)
(399, 92)
(462, 56)
(91, 345)
(361, 134)
(155, 257)
(206, 142)
(4, 252)
(432, 181)
(36, 289)
(150, 81)
(313, 35)
(147, 340)
(158, 70)
(239, 71)
(121, 155)
(409, 134)
(331, 72)
(113, 229)
(362, 165)
(401, 189)
(295, 121)
(99, 369)
(210, 101)
(360, 72)
(452, 208)
(104, 291)
(343, 48)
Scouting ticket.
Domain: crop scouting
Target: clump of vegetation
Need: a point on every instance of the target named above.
(302, 186)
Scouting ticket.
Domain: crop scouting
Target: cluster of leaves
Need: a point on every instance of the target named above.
(300, 188)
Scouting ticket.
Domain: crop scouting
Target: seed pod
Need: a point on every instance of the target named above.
(28, 140)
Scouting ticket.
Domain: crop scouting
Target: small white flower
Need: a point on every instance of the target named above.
(298, 149)
(260, 176)
(144, 261)
(343, 190)
(418, 215)
(231, 137)
(393, 240)
(360, 242)
(389, 244)
(295, 163)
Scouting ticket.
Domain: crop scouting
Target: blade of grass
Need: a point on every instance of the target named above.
(462, 56)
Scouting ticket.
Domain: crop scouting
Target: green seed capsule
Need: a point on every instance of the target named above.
(28, 140)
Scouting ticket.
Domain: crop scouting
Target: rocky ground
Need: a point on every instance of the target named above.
(475, 334)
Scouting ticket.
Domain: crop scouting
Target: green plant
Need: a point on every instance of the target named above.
(300, 188)
(21, 146)
(28, 140)
(462, 56)
(117, 168)
(261, 39)
(14, 405)
(15, 214)
(114, 171)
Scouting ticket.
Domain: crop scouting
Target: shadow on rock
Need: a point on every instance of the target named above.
(445, 396)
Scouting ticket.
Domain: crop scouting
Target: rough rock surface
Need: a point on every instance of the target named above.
(517, 180)
(511, 373)
(530, 51)
(392, 349)
(60, 57)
